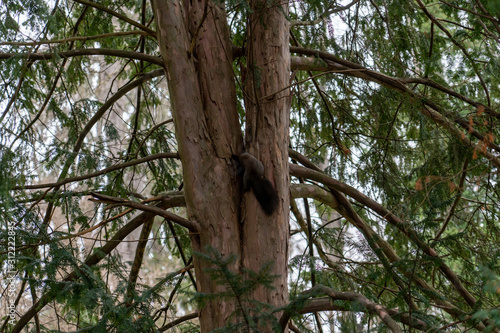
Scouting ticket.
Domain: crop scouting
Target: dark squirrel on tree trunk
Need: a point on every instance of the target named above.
(253, 177)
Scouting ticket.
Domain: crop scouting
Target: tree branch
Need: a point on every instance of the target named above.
(118, 15)
(368, 233)
(192, 226)
(303, 225)
(137, 263)
(457, 44)
(100, 172)
(352, 297)
(325, 304)
(76, 38)
(430, 110)
(84, 52)
(179, 321)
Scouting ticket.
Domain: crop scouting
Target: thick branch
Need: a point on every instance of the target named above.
(325, 304)
(328, 62)
(446, 124)
(368, 233)
(375, 242)
(435, 85)
(352, 297)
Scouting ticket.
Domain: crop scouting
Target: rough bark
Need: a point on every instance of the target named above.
(196, 50)
(195, 46)
(267, 138)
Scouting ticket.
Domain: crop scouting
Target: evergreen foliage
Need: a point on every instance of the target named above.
(60, 127)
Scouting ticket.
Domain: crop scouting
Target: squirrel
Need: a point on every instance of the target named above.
(253, 177)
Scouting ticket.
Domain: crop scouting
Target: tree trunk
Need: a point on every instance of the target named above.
(197, 54)
(266, 137)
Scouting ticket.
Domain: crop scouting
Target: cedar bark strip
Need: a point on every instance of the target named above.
(267, 138)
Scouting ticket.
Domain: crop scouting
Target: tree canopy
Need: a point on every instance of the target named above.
(122, 207)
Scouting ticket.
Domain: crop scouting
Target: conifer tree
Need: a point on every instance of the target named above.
(374, 131)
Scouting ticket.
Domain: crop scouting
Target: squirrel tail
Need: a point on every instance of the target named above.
(266, 195)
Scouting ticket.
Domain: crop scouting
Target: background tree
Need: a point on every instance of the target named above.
(396, 101)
